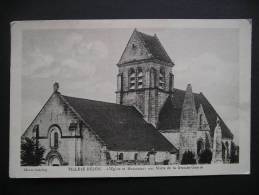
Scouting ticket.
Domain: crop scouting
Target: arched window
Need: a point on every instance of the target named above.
(140, 78)
(56, 139)
(121, 156)
(136, 156)
(162, 78)
(132, 79)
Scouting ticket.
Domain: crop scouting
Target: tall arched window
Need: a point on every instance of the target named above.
(56, 139)
(140, 78)
(132, 79)
(162, 78)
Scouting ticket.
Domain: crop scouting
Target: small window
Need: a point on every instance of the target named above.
(132, 79)
(162, 79)
(121, 156)
(136, 156)
(140, 78)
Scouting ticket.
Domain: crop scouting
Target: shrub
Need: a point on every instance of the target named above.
(31, 152)
(205, 157)
(188, 158)
(234, 155)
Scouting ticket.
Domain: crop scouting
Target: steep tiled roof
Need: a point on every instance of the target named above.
(154, 46)
(170, 114)
(120, 127)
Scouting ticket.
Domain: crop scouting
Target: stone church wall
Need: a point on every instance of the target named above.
(55, 114)
(148, 99)
(142, 156)
(93, 153)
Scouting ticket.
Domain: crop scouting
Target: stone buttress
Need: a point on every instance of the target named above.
(188, 125)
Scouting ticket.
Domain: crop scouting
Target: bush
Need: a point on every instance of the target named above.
(31, 152)
(188, 158)
(205, 157)
(234, 155)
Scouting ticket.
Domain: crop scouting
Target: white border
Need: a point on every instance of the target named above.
(15, 171)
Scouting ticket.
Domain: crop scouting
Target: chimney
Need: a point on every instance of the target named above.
(55, 87)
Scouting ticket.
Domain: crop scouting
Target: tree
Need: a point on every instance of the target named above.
(188, 158)
(31, 152)
(205, 157)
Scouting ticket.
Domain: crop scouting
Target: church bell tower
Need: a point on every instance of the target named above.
(145, 77)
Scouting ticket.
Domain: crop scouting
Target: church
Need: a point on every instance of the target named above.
(151, 123)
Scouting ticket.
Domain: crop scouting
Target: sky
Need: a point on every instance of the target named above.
(83, 61)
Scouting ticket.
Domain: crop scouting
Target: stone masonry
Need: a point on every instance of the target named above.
(188, 124)
(150, 97)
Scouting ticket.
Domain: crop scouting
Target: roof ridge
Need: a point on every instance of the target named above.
(145, 34)
(98, 101)
(195, 93)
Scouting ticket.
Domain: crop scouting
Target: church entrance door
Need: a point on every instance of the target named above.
(54, 161)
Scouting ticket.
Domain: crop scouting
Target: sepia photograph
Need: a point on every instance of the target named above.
(130, 98)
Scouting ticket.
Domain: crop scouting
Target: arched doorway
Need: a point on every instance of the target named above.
(54, 161)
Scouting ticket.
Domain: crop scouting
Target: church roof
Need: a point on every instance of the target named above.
(170, 114)
(150, 44)
(154, 46)
(120, 127)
